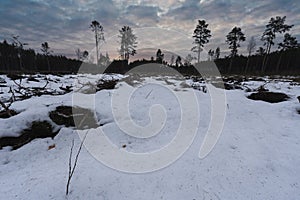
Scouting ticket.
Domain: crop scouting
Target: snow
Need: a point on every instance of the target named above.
(256, 156)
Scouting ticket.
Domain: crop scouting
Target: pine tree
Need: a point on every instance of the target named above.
(97, 28)
(159, 56)
(234, 37)
(276, 25)
(201, 37)
(289, 42)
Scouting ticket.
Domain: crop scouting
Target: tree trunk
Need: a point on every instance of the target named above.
(230, 66)
(265, 58)
(278, 63)
(97, 53)
(199, 51)
(35, 65)
(21, 64)
(246, 68)
(289, 61)
(48, 64)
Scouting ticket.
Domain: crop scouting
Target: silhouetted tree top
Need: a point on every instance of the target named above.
(97, 28)
(17, 43)
(178, 61)
(46, 49)
(201, 37)
(159, 56)
(289, 42)
(234, 37)
(275, 25)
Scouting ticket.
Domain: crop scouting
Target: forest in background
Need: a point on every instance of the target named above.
(14, 58)
(279, 62)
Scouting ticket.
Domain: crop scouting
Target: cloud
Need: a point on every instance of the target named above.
(65, 24)
(143, 12)
(63, 21)
(223, 15)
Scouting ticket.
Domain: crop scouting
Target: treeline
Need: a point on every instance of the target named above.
(285, 62)
(14, 59)
(279, 63)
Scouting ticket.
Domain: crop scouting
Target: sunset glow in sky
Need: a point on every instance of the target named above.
(158, 24)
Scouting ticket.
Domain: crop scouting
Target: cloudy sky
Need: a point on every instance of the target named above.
(161, 24)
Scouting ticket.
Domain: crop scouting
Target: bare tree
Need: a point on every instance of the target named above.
(128, 42)
(104, 60)
(78, 54)
(81, 55)
(250, 48)
(46, 51)
(211, 54)
(188, 59)
(19, 46)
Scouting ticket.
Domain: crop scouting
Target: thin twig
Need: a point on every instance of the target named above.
(148, 94)
(72, 169)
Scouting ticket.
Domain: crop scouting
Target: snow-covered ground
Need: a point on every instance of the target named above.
(256, 156)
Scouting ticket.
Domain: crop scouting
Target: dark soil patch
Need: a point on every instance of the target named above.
(271, 97)
(196, 78)
(296, 80)
(73, 117)
(38, 129)
(66, 89)
(233, 86)
(15, 76)
(5, 115)
(106, 85)
(227, 86)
